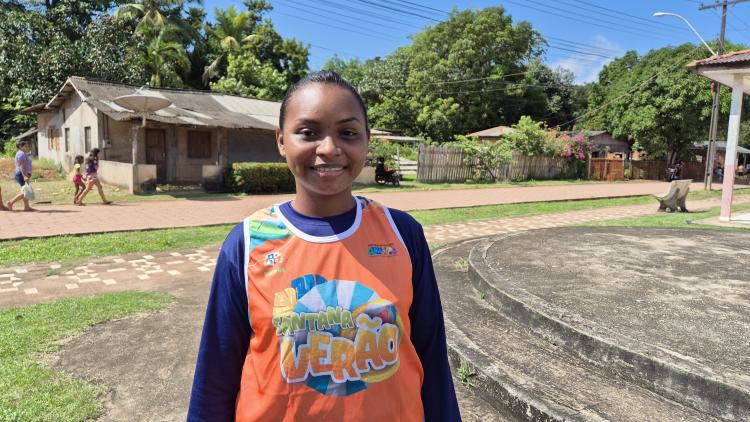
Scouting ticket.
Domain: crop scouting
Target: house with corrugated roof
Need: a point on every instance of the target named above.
(192, 139)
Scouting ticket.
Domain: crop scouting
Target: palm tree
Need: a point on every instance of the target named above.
(232, 28)
(163, 57)
(151, 14)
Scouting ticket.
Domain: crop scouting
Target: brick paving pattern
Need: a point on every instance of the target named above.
(68, 219)
(26, 284)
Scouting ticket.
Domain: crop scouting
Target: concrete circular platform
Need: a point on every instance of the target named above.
(669, 308)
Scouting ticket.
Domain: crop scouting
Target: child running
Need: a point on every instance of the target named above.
(324, 308)
(77, 178)
(92, 178)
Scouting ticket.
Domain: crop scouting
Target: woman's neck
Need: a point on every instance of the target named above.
(313, 205)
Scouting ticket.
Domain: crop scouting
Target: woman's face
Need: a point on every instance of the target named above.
(324, 140)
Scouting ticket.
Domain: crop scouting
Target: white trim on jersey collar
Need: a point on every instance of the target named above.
(323, 239)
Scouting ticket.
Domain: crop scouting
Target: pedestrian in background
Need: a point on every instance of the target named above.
(23, 175)
(92, 177)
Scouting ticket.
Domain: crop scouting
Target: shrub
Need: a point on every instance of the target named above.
(486, 156)
(260, 178)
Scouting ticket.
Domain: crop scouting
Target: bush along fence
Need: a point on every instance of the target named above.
(260, 178)
(449, 165)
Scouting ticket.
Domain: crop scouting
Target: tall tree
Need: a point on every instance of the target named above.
(655, 101)
(166, 58)
(266, 64)
(37, 56)
(231, 29)
(152, 14)
(461, 75)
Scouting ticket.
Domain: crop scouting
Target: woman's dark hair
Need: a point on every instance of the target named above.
(94, 152)
(21, 144)
(78, 159)
(321, 77)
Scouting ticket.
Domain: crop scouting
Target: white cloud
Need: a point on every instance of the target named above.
(585, 66)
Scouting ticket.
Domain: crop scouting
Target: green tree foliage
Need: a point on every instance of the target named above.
(655, 100)
(37, 56)
(165, 58)
(164, 42)
(475, 70)
(231, 29)
(152, 15)
(529, 137)
(487, 156)
(265, 64)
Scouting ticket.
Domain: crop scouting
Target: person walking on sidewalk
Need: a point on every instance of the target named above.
(77, 178)
(23, 175)
(325, 307)
(92, 178)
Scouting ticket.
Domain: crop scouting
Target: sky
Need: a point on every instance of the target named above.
(583, 35)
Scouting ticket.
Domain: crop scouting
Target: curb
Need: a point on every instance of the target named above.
(699, 391)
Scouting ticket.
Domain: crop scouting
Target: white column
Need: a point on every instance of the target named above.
(730, 158)
(134, 126)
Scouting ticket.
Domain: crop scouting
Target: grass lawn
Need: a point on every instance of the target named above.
(70, 250)
(671, 220)
(455, 215)
(31, 392)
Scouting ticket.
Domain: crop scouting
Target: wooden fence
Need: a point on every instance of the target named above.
(449, 165)
(657, 170)
(609, 169)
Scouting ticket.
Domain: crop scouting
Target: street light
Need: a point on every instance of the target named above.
(713, 125)
(660, 14)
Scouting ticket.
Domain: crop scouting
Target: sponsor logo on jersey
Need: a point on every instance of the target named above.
(382, 250)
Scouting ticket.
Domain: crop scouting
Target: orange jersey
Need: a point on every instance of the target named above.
(330, 322)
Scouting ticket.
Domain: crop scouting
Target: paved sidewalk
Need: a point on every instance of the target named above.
(68, 219)
(23, 285)
(162, 346)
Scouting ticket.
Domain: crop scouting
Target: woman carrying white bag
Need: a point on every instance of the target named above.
(23, 176)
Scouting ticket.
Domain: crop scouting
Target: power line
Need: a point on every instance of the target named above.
(732, 27)
(617, 15)
(425, 7)
(400, 11)
(581, 45)
(582, 52)
(415, 7)
(334, 7)
(597, 22)
(621, 13)
(340, 14)
(649, 80)
(307, 19)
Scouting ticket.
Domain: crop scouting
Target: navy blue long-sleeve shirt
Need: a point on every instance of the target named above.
(226, 330)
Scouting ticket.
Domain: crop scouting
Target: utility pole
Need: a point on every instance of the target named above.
(713, 127)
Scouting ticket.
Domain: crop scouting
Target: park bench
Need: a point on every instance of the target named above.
(675, 196)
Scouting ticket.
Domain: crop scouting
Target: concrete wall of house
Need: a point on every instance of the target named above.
(227, 146)
(121, 174)
(75, 116)
(249, 145)
(189, 169)
(119, 135)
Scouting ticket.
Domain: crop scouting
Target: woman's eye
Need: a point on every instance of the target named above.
(349, 133)
(307, 133)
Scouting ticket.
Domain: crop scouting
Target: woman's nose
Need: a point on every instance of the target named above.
(327, 146)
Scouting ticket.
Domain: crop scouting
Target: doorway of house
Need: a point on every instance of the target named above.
(156, 152)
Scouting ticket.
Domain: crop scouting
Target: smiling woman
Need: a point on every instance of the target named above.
(339, 291)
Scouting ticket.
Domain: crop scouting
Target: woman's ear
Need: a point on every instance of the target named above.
(280, 142)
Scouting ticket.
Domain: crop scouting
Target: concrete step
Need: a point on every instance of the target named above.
(524, 376)
(660, 369)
